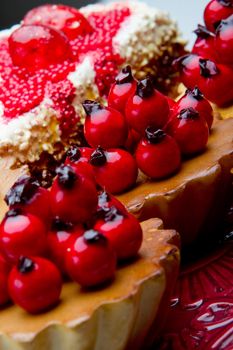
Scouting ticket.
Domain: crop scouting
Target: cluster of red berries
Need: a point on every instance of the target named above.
(210, 65)
(74, 230)
(153, 130)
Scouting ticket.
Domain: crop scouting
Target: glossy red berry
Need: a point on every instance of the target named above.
(36, 47)
(195, 99)
(106, 201)
(190, 131)
(158, 154)
(91, 260)
(224, 41)
(215, 11)
(67, 19)
(132, 140)
(115, 170)
(22, 234)
(204, 45)
(79, 157)
(73, 196)
(146, 107)
(189, 69)
(35, 284)
(122, 89)
(104, 126)
(27, 194)
(4, 272)
(60, 238)
(122, 230)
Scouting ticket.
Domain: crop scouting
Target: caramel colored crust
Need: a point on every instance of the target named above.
(120, 315)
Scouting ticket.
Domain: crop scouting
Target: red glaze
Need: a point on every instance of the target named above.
(124, 86)
(106, 201)
(190, 131)
(91, 260)
(215, 11)
(115, 170)
(204, 45)
(195, 99)
(27, 195)
(158, 154)
(4, 272)
(22, 234)
(189, 68)
(67, 19)
(104, 126)
(35, 284)
(73, 196)
(79, 157)
(224, 41)
(123, 232)
(36, 47)
(146, 107)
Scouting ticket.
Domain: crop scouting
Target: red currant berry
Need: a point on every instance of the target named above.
(123, 232)
(204, 45)
(120, 92)
(106, 201)
(190, 131)
(195, 99)
(4, 272)
(189, 69)
(158, 154)
(67, 19)
(115, 170)
(73, 196)
(22, 234)
(132, 140)
(215, 11)
(27, 194)
(91, 260)
(79, 157)
(224, 41)
(60, 238)
(36, 47)
(146, 107)
(35, 284)
(104, 126)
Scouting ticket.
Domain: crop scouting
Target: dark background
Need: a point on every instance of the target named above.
(12, 11)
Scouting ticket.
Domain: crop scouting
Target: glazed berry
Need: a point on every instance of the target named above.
(204, 45)
(190, 131)
(195, 99)
(60, 238)
(67, 19)
(215, 11)
(104, 126)
(106, 201)
(122, 230)
(27, 194)
(125, 85)
(22, 234)
(36, 47)
(115, 170)
(189, 69)
(4, 272)
(79, 158)
(132, 140)
(73, 195)
(35, 284)
(158, 154)
(91, 261)
(224, 41)
(146, 107)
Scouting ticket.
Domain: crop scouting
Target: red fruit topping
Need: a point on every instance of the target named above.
(215, 11)
(36, 47)
(104, 126)
(204, 45)
(35, 284)
(146, 107)
(67, 19)
(195, 99)
(190, 131)
(132, 140)
(123, 232)
(171, 102)
(22, 234)
(73, 196)
(189, 68)
(120, 92)
(27, 194)
(78, 157)
(224, 41)
(4, 271)
(115, 170)
(91, 260)
(106, 201)
(60, 238)
(158, 154)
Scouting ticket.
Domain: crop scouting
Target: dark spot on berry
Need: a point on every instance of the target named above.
(109, 214)
(91, 107)
(98, 157)
(25, 265)
(226, 3)
(203, 32)
(59, 225)
(74, 153)
(22, 191)
(181, 62)
(66, 176)
(145, 88)
(188, 113)
(92, 236)
(207, 68)
(154, 135)
(195, 93)
(13, 212)
(125, 76)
